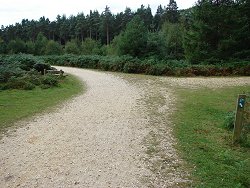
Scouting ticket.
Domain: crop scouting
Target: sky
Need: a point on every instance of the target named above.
(12, 11)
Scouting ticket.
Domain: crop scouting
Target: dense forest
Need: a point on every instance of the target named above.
(211, 32)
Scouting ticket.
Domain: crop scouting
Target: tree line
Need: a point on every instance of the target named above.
(212, 31)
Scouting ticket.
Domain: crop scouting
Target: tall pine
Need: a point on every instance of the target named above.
(211, 37)
(172, 14)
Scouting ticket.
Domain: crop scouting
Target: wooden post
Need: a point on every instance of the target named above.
(239, 118)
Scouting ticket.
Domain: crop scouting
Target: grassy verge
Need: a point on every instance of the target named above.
(18, 104)
(205, 143)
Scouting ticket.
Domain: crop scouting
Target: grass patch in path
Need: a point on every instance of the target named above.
(18, 104)
(205, 143)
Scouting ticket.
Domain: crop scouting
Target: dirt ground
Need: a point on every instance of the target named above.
(117, 134)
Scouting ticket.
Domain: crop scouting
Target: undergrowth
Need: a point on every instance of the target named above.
(150, 66)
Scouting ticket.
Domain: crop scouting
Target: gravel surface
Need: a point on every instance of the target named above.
(209, 82)
(117, 134)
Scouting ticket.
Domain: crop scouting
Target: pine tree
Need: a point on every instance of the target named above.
(211, 37)
(133, 40)
(172, 14)
(146, 16)
(107, 16)
(158, 18)
(81, 27)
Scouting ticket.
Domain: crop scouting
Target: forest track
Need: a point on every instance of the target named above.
(117, 134)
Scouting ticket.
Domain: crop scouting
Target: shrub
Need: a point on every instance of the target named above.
(30, 47)
(25, 62)
(53, 48)
(132, 67)
(34, 77)
(90, 46)
(41, 66)
(50, 80)
(150, 65)
(19, 83)
(9, 70)
(28, 86)
(72, 47)
(22, 72)
(16, 46)
(43, 86)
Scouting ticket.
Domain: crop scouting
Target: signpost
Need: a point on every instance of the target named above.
(238, 125)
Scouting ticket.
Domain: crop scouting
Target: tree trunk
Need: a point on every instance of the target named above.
(107, 35)
(90, 33)
(82, 36)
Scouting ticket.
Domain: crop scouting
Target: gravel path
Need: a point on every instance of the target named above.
(114, 135)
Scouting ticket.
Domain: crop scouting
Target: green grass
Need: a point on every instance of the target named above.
(18, 104)
(205, 143)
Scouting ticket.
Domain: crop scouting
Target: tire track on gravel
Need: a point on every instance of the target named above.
(93, 140)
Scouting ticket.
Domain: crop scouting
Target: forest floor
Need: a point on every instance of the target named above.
(118, 133)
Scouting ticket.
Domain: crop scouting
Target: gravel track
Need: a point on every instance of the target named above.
(114, 135)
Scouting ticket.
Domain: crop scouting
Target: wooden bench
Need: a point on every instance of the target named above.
(54, 72)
